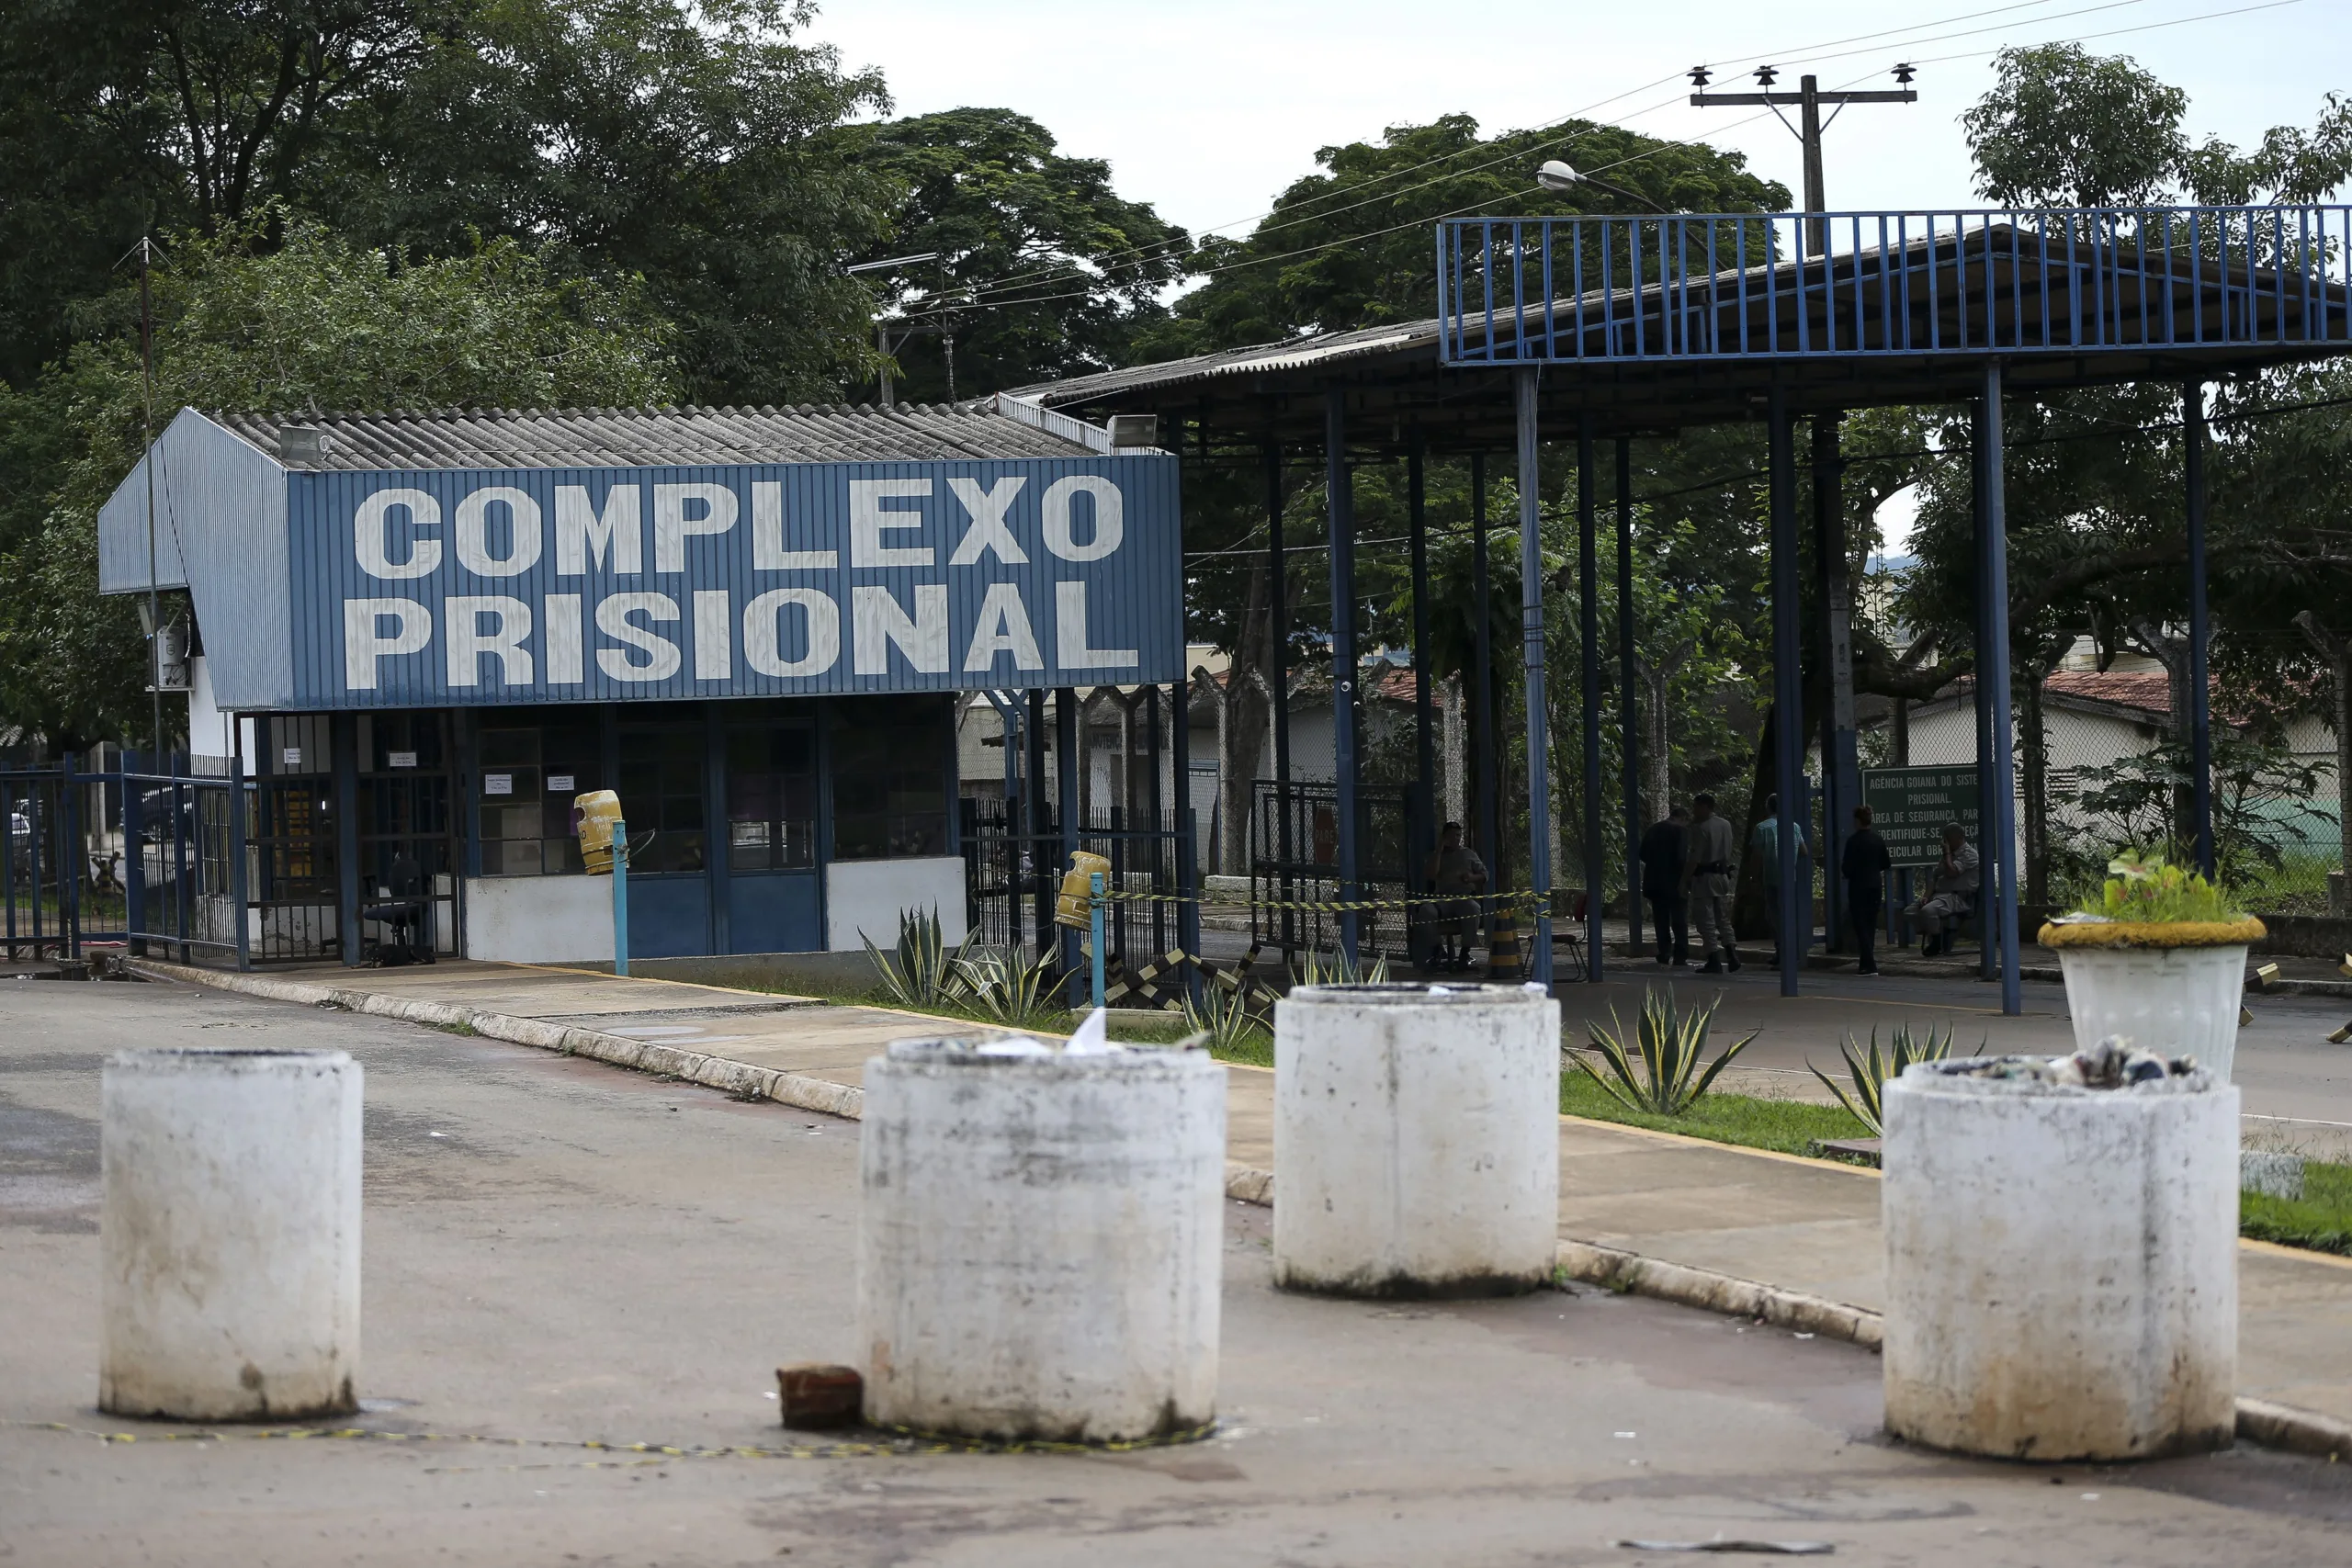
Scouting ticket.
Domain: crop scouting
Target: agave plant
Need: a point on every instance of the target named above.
(1013, 991)
(1334, 969)
(1221, 1017)
(923, 972)
(1869, 1074)
(1665, 1071)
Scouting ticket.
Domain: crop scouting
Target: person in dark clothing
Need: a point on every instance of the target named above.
(1865, 866)
(1662, 885)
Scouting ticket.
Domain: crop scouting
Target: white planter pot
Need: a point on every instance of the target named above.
(2176, 1001)
(229, 1234)
(2061, 1267)
(1041, 1244)
(1416, 1140)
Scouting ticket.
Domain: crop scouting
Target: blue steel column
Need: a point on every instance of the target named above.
(1588, 669)
(1986, 483)
(1278, 639)
(1482, 704)
(2000, 847)
(1065, 766)
(1841, 774)
(1788, 693)
(1188, 874)
(2201, 718)
(342, 745)
(1628, 708)
(1531, 638)
(1426, 815)
(1341, 496)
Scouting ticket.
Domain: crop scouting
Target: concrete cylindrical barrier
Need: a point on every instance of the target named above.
(2061, 1265)
(1041, 1244)
(229, 1234)
(1416, 1140)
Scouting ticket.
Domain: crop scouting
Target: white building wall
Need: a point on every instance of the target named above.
(864, 898)
(539, 920)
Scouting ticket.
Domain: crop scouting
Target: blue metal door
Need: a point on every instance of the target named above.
(663, 787)
(775, 901)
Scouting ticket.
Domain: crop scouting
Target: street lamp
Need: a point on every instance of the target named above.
(881, 327)
(1556, 175)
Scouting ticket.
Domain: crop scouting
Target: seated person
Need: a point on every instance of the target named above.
(1950, 894)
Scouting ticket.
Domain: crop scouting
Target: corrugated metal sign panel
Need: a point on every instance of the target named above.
(461, 586)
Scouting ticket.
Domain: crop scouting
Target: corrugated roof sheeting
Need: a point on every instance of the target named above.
(614, 437)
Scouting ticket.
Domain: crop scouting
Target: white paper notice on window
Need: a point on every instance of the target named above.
(402, 759)
(498, 784)
(560, 783)
(290, 756)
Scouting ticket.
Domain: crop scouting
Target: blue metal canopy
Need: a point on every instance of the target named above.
(2269, 281)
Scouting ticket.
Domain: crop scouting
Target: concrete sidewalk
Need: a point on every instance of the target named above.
(1709, 1223)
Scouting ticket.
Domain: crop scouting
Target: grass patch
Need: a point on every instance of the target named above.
(2320, 1220)
(1140, 1026)
(1790, 1126)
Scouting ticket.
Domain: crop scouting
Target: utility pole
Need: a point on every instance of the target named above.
(1841, 778)
(882, 328)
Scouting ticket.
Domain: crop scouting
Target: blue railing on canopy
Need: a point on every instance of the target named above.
(1730, 286)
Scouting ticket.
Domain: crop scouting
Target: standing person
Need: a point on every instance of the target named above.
(1764, 842)
(1865, 866)
(1951, 891)
(1458, 875)
(1662, 885)
(1707, 849)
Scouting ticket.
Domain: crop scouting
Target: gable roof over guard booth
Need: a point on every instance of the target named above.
(494, 556)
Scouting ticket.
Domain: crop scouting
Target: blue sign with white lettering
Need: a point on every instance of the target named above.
(460, 586)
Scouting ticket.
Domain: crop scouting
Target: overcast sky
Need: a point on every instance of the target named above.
(1207, 107)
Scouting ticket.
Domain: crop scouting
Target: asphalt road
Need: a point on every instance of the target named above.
(560, 1250)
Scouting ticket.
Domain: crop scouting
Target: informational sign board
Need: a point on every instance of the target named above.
(1910, 805)
(584, 585)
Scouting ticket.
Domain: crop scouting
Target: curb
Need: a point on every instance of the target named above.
(2261, 1421)
(800, 1092)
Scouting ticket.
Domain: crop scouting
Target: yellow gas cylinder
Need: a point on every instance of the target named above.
(594, 816)
(1076, 905)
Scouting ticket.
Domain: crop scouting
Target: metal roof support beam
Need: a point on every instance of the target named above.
(2000, 848)
(1065, 764)
(1482, 703)
(1424, 748)
(1841, 774)
(2201, 718)
(1628, 712)
(1531, 638)
(1278, 640)
(1340, 491)
(1589, 666)
(1795, 920)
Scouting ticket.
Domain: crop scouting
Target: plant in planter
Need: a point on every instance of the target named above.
(2158, 958)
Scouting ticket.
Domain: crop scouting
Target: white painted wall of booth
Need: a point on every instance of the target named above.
(539, 920)
(868, 896)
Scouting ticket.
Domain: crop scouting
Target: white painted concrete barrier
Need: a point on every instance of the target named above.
(2061, 1266)
(2181, 1001)
(1417, 1139)
(229, 1234)
(1041, 1244)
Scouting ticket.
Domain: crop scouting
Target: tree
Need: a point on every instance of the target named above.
(1350, 247)
(1045, 271)
(313, 324)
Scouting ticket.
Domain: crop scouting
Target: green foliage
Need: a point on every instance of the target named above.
(1666, 1071)
(2150, 891)
(2320, 1219)
(1007, 988)
(1046, 270)
(1224, 1015)
(923, 972)
(2261, 798)
(312, 324)
(1335, 969)
(1868, 1075)
(1790, 1126)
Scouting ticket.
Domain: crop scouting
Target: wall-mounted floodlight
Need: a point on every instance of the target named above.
(891, 261)
(1556, 175)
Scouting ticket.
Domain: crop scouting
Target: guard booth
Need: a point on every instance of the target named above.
(418, 636)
